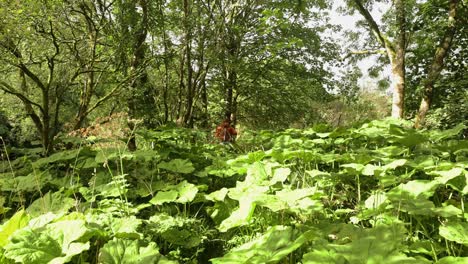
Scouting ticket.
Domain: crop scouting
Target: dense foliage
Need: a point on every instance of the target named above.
(107, 112)
(378, 193)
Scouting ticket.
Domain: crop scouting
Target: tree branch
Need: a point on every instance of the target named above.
(363, 52)
(10, 90)
(381, 38)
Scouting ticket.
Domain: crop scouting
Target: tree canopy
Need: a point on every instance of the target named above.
(265, 64)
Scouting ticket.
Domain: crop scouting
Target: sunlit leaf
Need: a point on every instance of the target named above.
(394, 164)
(164, 197)
(239, 217)
(51, 202)
(376, 200)
(453, 260)
(126, 227)
(186, 192)
(272, 247)
(455, 231)
(280, 175)
(178, 166)
(447, 211)
(217, 195)
(55, 243)
(446, 176)
(119, 251)
(17, 221)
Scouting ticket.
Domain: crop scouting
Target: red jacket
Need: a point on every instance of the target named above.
(225, 132)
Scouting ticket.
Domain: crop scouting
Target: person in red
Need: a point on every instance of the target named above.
(225, 132)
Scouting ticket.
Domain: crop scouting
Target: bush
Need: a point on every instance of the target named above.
(453, 112)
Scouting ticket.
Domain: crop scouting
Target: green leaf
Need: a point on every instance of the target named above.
(416, 188)
(370, 170)
(177, 230)
(394, 164)
(448, 211)
(118, 251)
(353, 168)
(183, 237)
(61, 156)
(126, 227)
(164, 197)
(280, 175)
(376, 200)
(271, 247)
(19, 220)
(217, 195)
(31, 182)
(22, 249)
(453, 260)
(446, 176)
(51, 202)
(257, 173)
(239, 217)
(412, 197)
(455, 231)
(406, 137)
(186, 192)
(183, 192)
(381, 244)
(54, 243)
(441, 135)
(178, 166)
(323, 256)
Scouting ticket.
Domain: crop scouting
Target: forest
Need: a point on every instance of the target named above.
(233, 131)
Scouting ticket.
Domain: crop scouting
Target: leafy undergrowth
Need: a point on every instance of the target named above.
(380, 193)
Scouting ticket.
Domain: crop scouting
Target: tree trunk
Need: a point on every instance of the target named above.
(139, 52)
(230, 85)
(395, 52)
(189, 99)
(204, 97)
(437, 65)
(230, 77)
(398, 63)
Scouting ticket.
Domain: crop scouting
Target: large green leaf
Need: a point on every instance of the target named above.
(31, 182)
(19, 220)
(441, 135)
(407, 202)
(183, 192)
(178, 166)
(445, 176)
(65, 155)
(217, 195)
(406, 137)
(376, 200)
(120, 251)
(382, 244)
(453, 260)
(239, 217)
(415, 189)
(51, 202)
(55, 243)
(186, 191)
(126, 227)
(164, 197)
(179, 230)
(455, 231)
(272, 247)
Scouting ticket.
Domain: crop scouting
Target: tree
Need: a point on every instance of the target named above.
(58, 62)
(416, 25)
(394, 49)
(437, 64)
